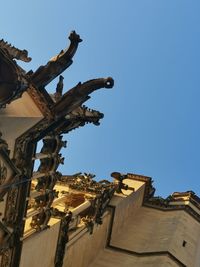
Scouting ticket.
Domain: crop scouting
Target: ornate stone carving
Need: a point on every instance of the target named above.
(79, 94)
(158, 201)
(3, 145)
(47, 182)
(40, 221)
(85, 114)
(62, 239)
(12, 78)
(120, 177)
(89, 222)
(50, 158)
(78, 118)
(45, 74)
(7, 238)
(11, 211)
(3, 173)
(14, 52)
(102, 192)
(59, 89)
(85, 182)
(42, 100)
(8, 170)
(46, 199)
(20, 159)
(6, 258)
(13, 82)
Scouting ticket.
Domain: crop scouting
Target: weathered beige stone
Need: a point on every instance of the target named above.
(85, 249)
(136, 230)
(110, 258)
(18, 117)
(40, 248)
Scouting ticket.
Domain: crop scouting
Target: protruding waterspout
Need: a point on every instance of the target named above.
(45, 74)
(95, 84)
(79, 94)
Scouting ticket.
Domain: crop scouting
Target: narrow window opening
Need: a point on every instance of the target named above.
(184, 243)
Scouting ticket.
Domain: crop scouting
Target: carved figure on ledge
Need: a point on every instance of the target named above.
(85, 115)
(40, 221)
(46, 199)
(89, 222)
(120, 178)
(47, 182)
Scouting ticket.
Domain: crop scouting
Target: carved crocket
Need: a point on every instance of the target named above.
(14, 52)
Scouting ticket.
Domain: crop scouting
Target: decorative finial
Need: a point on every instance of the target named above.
(59, 88)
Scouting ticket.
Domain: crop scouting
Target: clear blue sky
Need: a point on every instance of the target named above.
(152, 50)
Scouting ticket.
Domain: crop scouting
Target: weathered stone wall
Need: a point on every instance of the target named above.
(153, 230)
(86, 248)
(126, 207)
(110, 258)
(136, 229)
(39, 249)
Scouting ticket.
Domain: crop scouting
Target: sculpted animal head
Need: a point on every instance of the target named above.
(87, 115)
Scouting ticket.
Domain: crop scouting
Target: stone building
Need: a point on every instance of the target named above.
(52, 219)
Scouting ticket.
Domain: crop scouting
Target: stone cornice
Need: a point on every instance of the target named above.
(135, 253)
(149, 189)
(185, 201)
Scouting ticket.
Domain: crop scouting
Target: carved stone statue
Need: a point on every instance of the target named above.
(40, 221)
